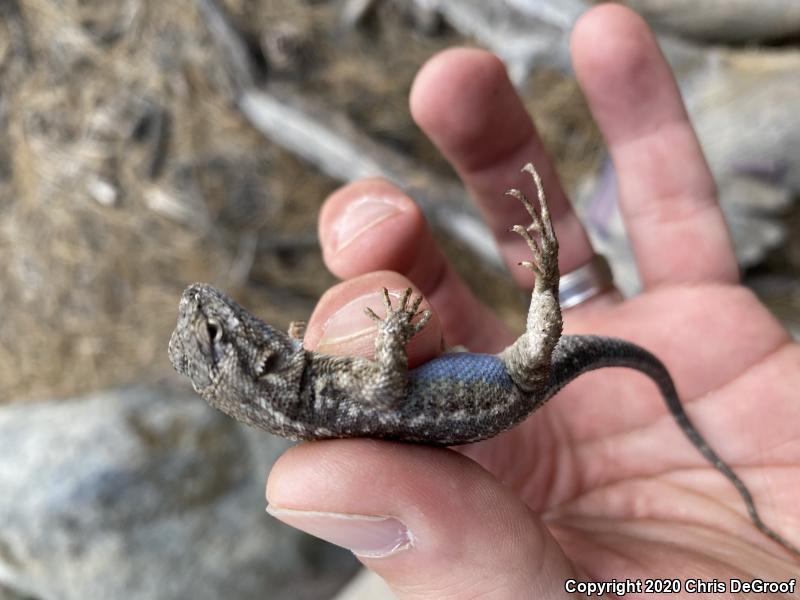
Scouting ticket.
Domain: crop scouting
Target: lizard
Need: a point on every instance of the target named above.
(265, 378)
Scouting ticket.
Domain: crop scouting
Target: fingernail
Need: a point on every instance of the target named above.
(350, 328)
(361, 215)
(363, 535)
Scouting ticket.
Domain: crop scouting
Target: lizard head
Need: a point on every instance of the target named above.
(230, 356)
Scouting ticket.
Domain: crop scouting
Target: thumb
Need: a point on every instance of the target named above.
(430, 522)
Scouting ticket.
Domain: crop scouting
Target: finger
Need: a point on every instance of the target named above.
(667, 194)
(341, 325)
(393, 505)
(463, 100)
(370, 226)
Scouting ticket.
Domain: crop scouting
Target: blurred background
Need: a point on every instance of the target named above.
(145, 145)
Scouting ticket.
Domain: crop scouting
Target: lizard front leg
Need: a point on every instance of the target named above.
(528, 360)
(388, 382)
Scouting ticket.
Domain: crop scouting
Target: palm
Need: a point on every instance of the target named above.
(605, 451)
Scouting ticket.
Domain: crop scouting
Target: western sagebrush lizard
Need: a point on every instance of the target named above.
(264, 377)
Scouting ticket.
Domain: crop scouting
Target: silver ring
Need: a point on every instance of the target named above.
(588, 281)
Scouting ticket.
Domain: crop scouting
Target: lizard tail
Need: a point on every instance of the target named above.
(575, 355)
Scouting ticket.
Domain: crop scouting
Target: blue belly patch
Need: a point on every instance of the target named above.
(463, 366)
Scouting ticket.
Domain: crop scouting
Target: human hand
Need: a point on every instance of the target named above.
(600, 483)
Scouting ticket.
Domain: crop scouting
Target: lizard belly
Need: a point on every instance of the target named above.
(460, 397)
(453, 399)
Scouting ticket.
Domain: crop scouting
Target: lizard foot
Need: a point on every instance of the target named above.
(297, 330)
(545, 249)
(400, 321)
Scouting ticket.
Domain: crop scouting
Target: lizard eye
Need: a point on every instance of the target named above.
(214, 330)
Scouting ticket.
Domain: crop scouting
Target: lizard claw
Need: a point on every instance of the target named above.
(371, 314)
(387, 301)
(401, 318)
(426, 316)
(404, 299)
(544, 246)
(415, 302)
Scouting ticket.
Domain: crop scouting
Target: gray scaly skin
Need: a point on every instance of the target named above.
(265, 378)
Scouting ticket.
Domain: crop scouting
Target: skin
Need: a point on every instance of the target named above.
(599, 483)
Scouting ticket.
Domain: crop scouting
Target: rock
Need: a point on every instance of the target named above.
(742, 105)
(146, 493)
(722, 20)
